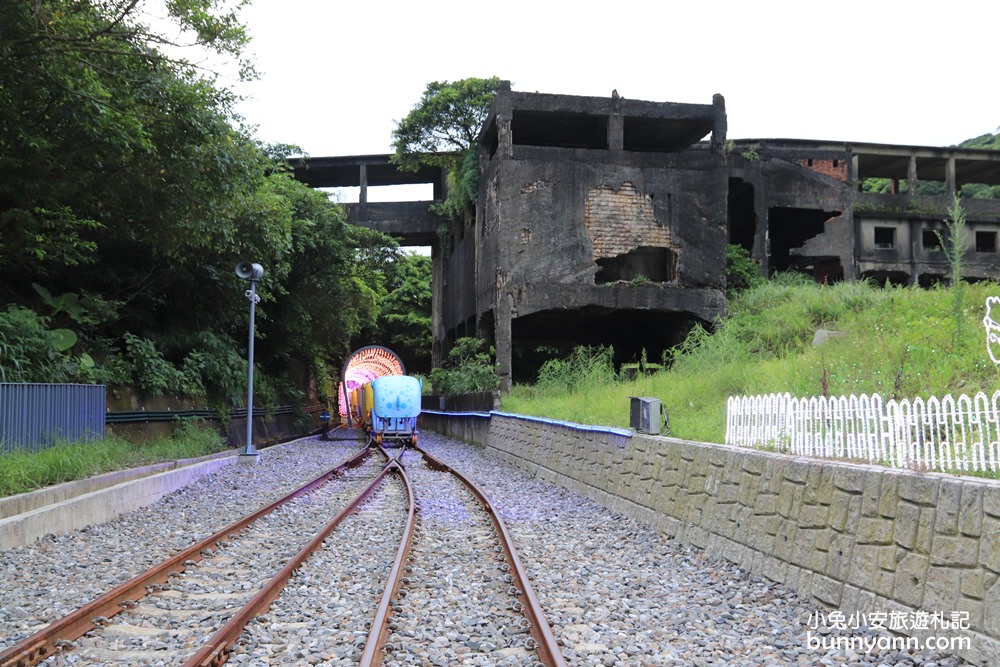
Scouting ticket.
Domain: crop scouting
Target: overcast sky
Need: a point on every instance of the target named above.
(336, 75)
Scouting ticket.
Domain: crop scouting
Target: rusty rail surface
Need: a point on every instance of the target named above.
(216, 650)
(548, 648)
(374, 652)
(40, 645)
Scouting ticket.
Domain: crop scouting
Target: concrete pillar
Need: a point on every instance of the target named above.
(911, 177)
(363, 194)
(616, 126)
(851, 271)
(720, 125)
(762, 235)
(437, 306)
(949, 176)
(503, 348)
(441, 185)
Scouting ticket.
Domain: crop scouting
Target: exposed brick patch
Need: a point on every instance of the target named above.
(833, 168)
(621, 221)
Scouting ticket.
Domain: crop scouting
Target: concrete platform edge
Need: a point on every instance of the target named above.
(75, 505)
(101, 505)
(32, 500)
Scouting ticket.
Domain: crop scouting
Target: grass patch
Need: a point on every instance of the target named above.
(898, 342)
(65, 462)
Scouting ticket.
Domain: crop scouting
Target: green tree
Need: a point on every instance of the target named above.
(987, 141)
(441, 131)
(129, 189)
(329, 282)
(469, 368)
(404, 323)
(94, 121)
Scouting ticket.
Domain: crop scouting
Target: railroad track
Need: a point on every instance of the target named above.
(225, 594)
(463, 575)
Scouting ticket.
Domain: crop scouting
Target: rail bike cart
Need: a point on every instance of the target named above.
(395, 408)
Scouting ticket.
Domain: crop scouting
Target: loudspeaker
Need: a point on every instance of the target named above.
(249, 271)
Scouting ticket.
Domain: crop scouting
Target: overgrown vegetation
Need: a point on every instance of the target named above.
(129, 189)
(897, 342)
(741, 271)
(23, 471)
(441, 131)
(469, 368)
(405, 313)
(954, 247)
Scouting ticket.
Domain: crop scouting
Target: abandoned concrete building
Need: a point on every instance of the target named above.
(605, 221)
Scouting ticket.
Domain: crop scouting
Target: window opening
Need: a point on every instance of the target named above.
(930, 241)
(559, 130)
(885, 238)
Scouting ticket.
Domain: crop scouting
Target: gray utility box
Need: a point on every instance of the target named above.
(644, 414)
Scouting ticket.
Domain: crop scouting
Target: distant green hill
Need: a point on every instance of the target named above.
(897, 342)
(990, 141)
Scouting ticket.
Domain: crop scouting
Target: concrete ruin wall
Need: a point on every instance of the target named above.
(591, 209)
(559, 220)
(809, 213)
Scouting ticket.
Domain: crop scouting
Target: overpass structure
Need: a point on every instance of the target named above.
(605, 221)
(412, 222)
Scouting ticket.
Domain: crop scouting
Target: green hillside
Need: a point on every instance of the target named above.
(897, 342)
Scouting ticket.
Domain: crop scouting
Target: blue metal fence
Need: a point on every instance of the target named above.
(34, 416)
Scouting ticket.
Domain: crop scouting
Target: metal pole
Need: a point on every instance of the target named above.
(252, 295)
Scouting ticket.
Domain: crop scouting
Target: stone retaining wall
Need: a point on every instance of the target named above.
(471, 427)
(857, 538)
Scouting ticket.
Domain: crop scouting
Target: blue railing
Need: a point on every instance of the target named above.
(34, 416)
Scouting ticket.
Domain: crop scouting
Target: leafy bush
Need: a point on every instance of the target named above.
(741, 271)
(214, 369)
(31, 352)
(469, 368)
(150, 371)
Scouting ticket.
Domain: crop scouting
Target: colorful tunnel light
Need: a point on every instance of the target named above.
(364, 365)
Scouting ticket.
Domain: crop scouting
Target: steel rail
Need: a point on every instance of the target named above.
(374, 653)
(38, 646)
(216, 650)
(546, 644)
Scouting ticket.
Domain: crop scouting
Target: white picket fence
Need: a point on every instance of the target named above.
(935, 434)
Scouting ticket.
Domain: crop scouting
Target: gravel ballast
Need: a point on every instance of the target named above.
(614, 591)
